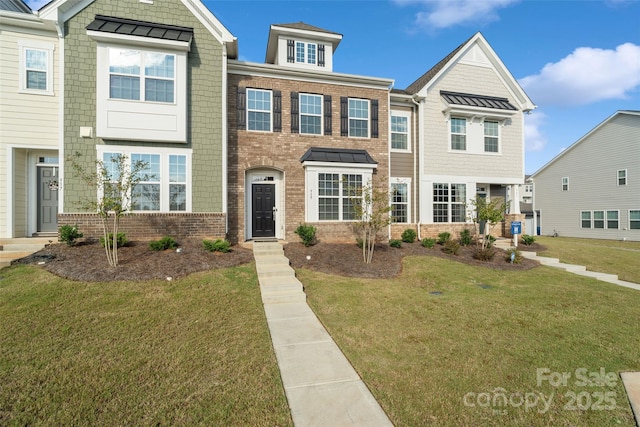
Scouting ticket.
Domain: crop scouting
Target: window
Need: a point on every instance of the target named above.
(311, 114)
(458, 134)
(164, 183)
(306, 53)
(585, 219)
(598, 219)
(399, 132)
(359, 118)
(400, 201)
(259, 110)
(612, 220)
(634, 219)
(335, 194)
(622, 177)
(36, 67)
(491, 132)
(565, 183)
(141, 76)
(448, 202)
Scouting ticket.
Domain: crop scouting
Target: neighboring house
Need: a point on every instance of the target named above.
(300, 136)
(592, 189)
(526, 206)
(146, 79)
(457, 132)
(29, 117)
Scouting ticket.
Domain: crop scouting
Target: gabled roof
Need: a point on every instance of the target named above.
(430, 77)
(337, 155)
(470, 100)
(129, 27)
(575, 144)
(306, 27)
(15, 6)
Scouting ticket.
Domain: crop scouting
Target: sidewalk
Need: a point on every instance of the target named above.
(321, 386)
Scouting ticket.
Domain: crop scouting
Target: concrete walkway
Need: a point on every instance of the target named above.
(11, 249)
(631, 381)
(571, 268)
(321, 386)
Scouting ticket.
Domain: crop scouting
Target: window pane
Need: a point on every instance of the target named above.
(159, 65)
(351, 190)
(177, 197)
(458, 134)
(146, 197)
(311, 54)
(328, 184)
(634, 220)
(585, 219)
(152, 172)
(158, 90)
(311, 114)
(124, 61)
(123, 87)
(598, 219)
(399, 202)
(110, 164)
(328, 209)
(310, 125)
(491, 137)
(358, 108)
(458, 213)
(177, 168)
(440, 212)
(458, 193)
(259, 110)
(399, 132)
(259, 121)
(612, 219)
(622, 177)
(36, 80)
(299, 52)
(399, 141)
(36, 59)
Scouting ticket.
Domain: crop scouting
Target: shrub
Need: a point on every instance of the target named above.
(69, 234)
(165, 243)
(517, 258)
(465, 237)
(485, 254)
(121, 239)
(528, 239)
(409, 235)
(359, 242)
(428, 243)
(218, 245)
(395, 243)
(307, 234)
(451, 247)
(490, 241)
(444, 237)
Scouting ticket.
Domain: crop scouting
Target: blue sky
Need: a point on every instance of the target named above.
(579, 61)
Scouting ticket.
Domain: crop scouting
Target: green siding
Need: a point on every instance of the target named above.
(204, 100)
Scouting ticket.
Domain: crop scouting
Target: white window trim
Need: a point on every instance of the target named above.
(164, 153)
(321, 115)
(124, 119)
(407, 115)
(23, 46)
(349, 118)
(466, 135)
(260, 111)
(499, 137)
(629, 219)
(626, 178)
(590, 220)
(407, 182)
(305, 54)
(606, 219)
(562, 183)
(449, 202)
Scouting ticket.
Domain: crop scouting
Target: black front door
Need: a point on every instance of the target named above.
(263, 197)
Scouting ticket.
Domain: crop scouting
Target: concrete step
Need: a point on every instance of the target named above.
(275, 271)
(22, 247)
(600, 276)
(9, 256)
(272, 260)
(277, 281)
(4, 264)
(268, 252)
(285, 287)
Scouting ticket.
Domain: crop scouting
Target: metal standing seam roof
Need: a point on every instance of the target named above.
(337, 155)
(129, 27)
(483, 101)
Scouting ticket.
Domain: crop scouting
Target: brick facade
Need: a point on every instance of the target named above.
(281, 151)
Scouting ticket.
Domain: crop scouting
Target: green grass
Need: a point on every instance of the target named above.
(420, 353)
(195, 351)
(605, 256)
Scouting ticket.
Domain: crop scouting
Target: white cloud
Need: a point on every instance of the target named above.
(534, 138)
(586, 76)
(36, 4)
(447, 13)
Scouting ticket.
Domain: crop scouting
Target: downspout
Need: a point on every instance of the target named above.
(225, 140)
(389, 153)
(533, 208)
(61, 73)
(417, 171)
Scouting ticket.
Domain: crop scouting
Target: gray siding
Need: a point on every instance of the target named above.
(591, 166)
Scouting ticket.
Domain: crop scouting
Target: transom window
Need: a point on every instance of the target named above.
(310, 114)
(634, 219)
(141, 75)
(565, 183)
(335, 196)
(259, 110)
(359, 118)
(448, 202)
(400, 202)
(306, 53)
(491, 132)
(399, 132)
(458, 133)
(622, 177)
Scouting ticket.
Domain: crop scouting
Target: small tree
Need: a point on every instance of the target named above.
(491, 213)
(371, 210)
(115, 182)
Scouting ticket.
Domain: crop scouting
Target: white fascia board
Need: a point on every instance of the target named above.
(277, 72)
(215, 27)
(100, 36)
(468, 110)
(332, 38)
(61, 10)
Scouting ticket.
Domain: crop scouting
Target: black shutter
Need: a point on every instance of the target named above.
(320, 55)
(327, 115)
(277, 111)
(344, 116)
(374, 118)
(242, 108)
(291, 51)
(295, 116)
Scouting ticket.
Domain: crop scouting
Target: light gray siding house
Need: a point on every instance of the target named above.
(592, 189)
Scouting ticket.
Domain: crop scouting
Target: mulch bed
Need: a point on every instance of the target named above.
(87, 261)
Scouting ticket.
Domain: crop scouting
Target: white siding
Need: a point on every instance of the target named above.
(591, 166)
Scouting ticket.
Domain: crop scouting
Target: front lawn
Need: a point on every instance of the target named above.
(194, 351)
(443, 343)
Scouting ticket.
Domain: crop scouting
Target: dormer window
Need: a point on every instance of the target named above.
(303, 46)
(306, 53)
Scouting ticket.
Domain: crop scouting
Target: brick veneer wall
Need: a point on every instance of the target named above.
(432, 230)
(282, 151)
(150, 226)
